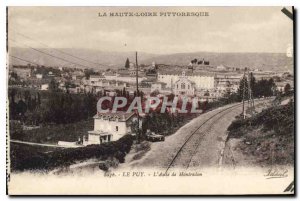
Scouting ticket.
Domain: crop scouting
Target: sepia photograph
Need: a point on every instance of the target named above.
(150, 100)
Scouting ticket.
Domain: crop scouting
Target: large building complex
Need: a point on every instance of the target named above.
(203, 80)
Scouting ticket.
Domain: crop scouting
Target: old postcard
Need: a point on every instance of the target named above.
(150, 101)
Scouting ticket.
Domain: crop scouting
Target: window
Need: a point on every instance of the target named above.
(188, 86)
(117, 128)
(182, 85)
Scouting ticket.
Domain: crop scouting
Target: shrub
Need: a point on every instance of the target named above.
(279, 118)
(66, 157)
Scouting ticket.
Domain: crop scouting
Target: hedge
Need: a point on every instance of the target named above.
(65, 157)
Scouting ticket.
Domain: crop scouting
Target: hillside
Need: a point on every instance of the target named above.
(108, 59)
(264, 139)
(262, 61)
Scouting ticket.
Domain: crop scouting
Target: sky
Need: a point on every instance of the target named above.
(226, 29)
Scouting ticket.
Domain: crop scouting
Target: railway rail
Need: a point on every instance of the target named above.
(195, 136)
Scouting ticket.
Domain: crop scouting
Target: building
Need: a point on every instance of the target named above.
(263, 75)
(281, 85)
(124, 75)
(96, 80)
(50, 74)
(227, 82)
(74, 89)
(77, 77)
(158, 86)
(109, 127)
(202, 79)
(39, 76)
(44, 87)
(22, 72)
(221, 67)
(184, 86)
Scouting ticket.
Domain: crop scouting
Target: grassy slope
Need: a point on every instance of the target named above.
(265, 139)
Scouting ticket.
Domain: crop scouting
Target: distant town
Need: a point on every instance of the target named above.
(198, 78)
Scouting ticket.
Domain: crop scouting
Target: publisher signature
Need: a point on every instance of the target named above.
(273, 173)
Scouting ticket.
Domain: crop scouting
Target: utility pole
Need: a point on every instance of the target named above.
(252, 107)
(250, 100)
(137, 94)
(244, 89)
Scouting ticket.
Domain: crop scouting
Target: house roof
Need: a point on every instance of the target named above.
(187, 73)
(98, 132)
(96, 76)
(122, 116)
(109, 74)
(161, 83)
(184, 79)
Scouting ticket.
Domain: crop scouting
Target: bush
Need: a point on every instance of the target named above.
(236, 124)
(279, 118)
(65, 157)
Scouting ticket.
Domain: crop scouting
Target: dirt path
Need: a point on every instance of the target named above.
(43, 145)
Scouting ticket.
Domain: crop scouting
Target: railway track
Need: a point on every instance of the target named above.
(193, 134)
(196, 136)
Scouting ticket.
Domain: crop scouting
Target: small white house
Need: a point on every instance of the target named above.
(109, 127)
(111, 93)
(158, 86)
(44, 87)
(39, 76)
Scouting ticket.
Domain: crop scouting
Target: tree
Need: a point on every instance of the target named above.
(253, 84)
(271, 87)
(21, 108)
(124, 92)
(154, 93)
(127, 64)
(89, 72)
(241, 92)
(287, 88)
(171, 97)
(206, 93)
(53, 85)
(12, 104)
(39, 99)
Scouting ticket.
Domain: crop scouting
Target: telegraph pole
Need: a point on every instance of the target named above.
(137, 71)
(250, 100)
(137, 94)
(250, 92)
(244, 89)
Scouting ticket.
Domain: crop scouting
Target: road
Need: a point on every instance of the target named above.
(198, 144)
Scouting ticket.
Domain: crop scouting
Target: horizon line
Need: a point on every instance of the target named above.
(170, 53)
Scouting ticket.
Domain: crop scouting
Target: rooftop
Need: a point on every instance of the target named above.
(187, 72)
(120, 115)
(96, 76)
